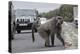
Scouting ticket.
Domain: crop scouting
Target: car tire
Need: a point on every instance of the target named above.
(12, 38)
(35, 30)
(18, 31)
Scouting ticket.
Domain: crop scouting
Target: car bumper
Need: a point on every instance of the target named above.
(24, 26)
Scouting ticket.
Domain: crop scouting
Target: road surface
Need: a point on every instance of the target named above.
(23, 41)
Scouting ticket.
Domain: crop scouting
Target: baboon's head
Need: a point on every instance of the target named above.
(59, 20)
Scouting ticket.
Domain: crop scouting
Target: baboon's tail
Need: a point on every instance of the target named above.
(33, 31)
(33, 38)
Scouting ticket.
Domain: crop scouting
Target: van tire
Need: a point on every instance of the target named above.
(18, 31)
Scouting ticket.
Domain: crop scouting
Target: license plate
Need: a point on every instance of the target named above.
(23, 24)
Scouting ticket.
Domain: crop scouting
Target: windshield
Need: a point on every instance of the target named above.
(25, 12)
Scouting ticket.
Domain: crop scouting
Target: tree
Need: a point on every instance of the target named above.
(65, 10)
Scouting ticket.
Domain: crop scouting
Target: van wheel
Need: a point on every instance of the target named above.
(18, 31)
(35, 30)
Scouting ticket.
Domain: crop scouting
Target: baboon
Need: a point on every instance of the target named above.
(51, 28)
